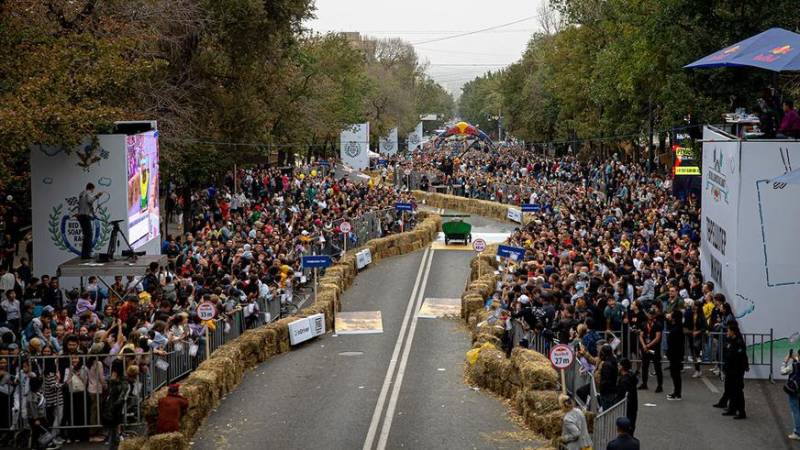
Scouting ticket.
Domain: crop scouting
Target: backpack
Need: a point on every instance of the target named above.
(792, 386)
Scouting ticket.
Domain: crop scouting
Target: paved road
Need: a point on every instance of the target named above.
(317, 398)
(692, 424)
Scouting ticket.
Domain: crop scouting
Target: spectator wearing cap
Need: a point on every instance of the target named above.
(624, 439)
(171, 409)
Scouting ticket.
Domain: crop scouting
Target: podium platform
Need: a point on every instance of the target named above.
(77, 267)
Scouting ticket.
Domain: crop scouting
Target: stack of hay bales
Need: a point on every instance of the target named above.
(485, 208)
(225, 368)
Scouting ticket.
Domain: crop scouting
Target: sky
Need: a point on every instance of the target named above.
(453, 61)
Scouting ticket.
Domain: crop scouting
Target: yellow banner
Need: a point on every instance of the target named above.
(688, 170)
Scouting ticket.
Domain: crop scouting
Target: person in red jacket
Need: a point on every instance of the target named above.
(170, 410)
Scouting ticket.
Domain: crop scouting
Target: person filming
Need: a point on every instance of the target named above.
(85, 216)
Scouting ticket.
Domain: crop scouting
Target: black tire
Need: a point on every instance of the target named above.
(470, 238)
(446, 240)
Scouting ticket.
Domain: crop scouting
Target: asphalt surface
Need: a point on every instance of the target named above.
(693, 424)
(317, 398)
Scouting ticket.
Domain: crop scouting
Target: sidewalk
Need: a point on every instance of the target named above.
(693, 424)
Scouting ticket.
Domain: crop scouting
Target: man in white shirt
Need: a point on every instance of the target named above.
(7, 280)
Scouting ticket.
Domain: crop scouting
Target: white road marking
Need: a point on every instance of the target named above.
(398, 382)
(376, 415)
(710, 385)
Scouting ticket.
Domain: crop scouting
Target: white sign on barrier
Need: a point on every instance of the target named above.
(363, 258)
(515, 215)
(306, 328)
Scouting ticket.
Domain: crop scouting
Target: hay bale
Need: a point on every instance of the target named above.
(225, 369)
(137, 443)
(534, 373)
(482, 338)
(495, 367)
(548, 425)
(281, 328)
(471, 304)
(538, 402)
(213, 381)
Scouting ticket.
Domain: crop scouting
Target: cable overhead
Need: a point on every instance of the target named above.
(469, 33)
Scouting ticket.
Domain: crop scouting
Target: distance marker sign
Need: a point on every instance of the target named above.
(206, 311)
(479, 245)
(345, 227)
(561, 356)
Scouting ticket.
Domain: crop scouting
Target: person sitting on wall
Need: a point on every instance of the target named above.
(170, 410)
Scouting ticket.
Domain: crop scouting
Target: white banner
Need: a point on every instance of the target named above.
(415, 137)
(388, 144)
(354, 146)
(720, 180)
(514, 214)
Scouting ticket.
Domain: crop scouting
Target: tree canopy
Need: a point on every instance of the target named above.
(227, 80)
(602, 67)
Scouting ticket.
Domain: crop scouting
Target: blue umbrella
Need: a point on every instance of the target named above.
(776, 49)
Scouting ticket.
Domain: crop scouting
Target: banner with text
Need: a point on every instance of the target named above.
(720, 206)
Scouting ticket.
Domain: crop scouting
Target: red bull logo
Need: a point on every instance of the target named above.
(726, 53)
(774, 54)
(781, 50)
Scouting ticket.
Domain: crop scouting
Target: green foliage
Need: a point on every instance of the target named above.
(211, 72)
(601, 71)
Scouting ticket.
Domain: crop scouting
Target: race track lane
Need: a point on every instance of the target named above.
(315, 398)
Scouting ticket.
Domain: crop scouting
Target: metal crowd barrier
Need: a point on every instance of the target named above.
(605, 424)
(73, 387)
(710, 347)
(80, 410)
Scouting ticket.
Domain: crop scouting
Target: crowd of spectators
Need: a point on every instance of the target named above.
(75, 362)
(611, 267)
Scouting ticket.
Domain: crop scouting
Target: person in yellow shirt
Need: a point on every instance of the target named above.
(708, 300)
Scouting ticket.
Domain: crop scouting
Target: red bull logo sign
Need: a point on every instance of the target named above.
(726, 53)
(774, 54)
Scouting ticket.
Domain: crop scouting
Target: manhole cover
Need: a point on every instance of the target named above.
(351, 353)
